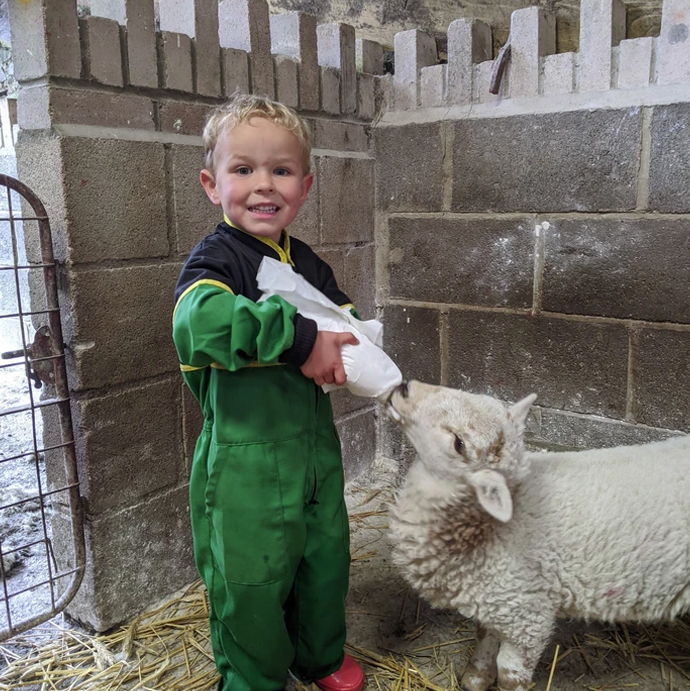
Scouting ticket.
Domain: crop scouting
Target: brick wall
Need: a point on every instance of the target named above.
(111, 112)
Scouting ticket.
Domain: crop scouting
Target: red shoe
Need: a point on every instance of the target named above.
(348, 678)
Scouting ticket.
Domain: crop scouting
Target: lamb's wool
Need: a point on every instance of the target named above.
(601, 535)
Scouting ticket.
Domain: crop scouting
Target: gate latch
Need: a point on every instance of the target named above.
(40, 367)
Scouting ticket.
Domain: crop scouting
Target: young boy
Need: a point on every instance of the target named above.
(270, 527)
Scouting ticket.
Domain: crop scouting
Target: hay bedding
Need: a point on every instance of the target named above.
(168, 648)
(403, 644)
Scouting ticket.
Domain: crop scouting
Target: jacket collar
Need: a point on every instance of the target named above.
(264, 246)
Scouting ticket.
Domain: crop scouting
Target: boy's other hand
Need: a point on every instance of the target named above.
(325, 364)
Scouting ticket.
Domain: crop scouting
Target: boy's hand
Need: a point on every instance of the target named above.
(325, 364)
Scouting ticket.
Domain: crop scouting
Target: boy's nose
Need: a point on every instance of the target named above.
(264, 180)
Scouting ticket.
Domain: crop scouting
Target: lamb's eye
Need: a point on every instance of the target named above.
(459, 445)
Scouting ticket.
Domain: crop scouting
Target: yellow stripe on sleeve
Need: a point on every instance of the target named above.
(203, 281)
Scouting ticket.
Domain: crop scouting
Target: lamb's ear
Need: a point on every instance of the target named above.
(493, 494)
(520, 410)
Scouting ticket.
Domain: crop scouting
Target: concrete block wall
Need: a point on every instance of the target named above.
(110, 114)
(536, 240)
(543, 253)
(530, 240)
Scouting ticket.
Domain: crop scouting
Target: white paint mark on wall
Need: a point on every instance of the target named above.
(544, 225)
(87, 345)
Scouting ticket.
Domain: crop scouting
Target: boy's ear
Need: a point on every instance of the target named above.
(208, 182)
(307, 182)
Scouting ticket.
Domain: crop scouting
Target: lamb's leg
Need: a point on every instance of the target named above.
(516, 662)
(481, 670)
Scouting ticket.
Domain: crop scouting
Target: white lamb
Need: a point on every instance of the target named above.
(515, 540)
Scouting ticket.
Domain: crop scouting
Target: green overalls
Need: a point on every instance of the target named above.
(270, 527)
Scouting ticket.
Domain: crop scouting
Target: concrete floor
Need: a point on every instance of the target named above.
(386, 618)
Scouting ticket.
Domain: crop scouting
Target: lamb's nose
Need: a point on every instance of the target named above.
(403, 390)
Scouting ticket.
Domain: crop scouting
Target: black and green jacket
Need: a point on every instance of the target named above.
(218, 323)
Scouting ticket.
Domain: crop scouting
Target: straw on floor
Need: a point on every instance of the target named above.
(168, 649)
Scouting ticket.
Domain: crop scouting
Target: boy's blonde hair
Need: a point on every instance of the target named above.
(241, 108)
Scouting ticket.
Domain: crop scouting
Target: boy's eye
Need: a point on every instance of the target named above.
(243, 170)
(282, 171)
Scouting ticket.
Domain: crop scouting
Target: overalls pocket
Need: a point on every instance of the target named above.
(244, 505)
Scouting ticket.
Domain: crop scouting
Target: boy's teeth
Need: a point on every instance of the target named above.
(265, 208)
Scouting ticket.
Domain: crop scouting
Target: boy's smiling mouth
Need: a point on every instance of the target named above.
(263, 209)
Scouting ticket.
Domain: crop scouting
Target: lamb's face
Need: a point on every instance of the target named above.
(455, 432)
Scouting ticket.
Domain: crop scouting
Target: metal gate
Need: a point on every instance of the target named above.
(38, 480)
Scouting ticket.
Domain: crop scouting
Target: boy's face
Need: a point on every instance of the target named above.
(259, 180)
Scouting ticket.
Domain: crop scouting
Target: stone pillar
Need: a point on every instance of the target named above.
(45, 39)
(294, 34)
(369, 56)
(198, 19)
(244, 25)
(101, 37)
(469, 43)
(433, 86)
(414, 49)
(336, 47)
(634, 62)
(117, 272)
(674, 43)
(559, 74)
(602, 25)
(137, 16)
(532, 35)
(141, 43)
